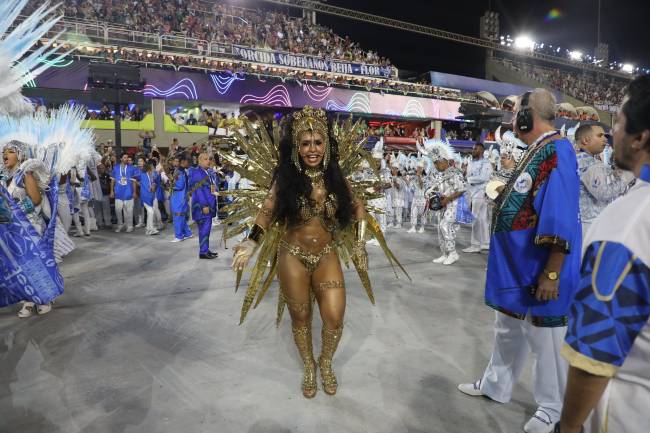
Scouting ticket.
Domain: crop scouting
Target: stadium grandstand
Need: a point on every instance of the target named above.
(231, 44)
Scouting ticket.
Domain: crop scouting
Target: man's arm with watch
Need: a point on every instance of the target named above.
(549, 280)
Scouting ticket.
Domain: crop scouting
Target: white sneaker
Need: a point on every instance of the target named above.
(139, 225)
(540, 422)
(485, 247)
(451, 259)
(28, 309)
(153, 232)
(421, 230)
(119, 229)
(440, 259)
(78, 234)
(373, 241)
(472, 249)
(189, 237)
(129, 229)
(44, 309)
(473, 389)
(176, 240)
(411, 230)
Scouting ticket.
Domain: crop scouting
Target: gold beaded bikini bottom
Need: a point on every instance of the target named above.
(309, 260)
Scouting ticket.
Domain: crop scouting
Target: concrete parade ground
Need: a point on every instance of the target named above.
(145, 339)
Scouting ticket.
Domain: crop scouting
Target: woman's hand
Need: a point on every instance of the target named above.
(242, 254)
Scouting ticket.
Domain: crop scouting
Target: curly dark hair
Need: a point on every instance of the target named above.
(292, 184)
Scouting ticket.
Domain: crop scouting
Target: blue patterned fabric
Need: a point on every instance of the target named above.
(541, 210)
(29, 271)
(463, 214)
(611, 306)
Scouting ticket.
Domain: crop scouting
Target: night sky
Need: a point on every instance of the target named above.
(624, 25)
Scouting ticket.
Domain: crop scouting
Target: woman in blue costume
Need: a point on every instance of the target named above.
(27, 239)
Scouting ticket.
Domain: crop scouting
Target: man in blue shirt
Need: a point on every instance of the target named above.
(179, 206)
(122, 191)
(533, 266)
(203, 185)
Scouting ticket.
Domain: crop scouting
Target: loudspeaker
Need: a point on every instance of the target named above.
(108, 75)
(524, 120)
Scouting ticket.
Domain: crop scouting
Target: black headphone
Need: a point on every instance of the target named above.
(524, 120)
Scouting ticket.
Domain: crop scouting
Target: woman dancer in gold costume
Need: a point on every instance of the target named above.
(312, 200)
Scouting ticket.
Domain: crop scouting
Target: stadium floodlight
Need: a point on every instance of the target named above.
(627, 68)
(575, 55)
(524, 42)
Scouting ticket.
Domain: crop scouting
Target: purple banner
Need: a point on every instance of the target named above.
(249, 90)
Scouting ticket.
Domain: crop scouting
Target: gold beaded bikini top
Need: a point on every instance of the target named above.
(326, 211)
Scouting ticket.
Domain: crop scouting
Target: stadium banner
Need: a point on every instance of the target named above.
(281, 58)
(250, 90)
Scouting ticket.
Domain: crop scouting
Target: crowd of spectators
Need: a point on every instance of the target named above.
(216, 21)
(127, 112)
(593, 89)
(174, 61)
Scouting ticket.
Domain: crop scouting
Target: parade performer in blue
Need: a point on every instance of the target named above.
(203, 183)
(179, 205)
(149, 182)
(534, 263)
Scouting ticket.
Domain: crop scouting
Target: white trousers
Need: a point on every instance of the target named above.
(514, 340)
(481, 225)
(63, 210)
(85, 213)
(154, 219)
(395, 216)
(418, 210)
(124, 212)
(447, 228)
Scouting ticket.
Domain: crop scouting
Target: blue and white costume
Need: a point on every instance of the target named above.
(479, 173)
(600, 185)
(609, 321)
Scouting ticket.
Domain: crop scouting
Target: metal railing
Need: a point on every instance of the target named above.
(85, 33)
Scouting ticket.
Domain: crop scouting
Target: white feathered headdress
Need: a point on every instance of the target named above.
(437, 150)
(51, 145)
(510, 145)
(378, 150)
(17, 67)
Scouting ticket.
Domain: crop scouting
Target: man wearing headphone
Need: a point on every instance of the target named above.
(533, 265)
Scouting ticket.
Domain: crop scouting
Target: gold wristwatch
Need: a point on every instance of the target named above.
(552, 275)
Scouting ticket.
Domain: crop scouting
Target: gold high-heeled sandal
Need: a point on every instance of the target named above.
(302, 338)
(331, 338)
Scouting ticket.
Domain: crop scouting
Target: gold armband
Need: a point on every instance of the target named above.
(257, 233)
(360, 230)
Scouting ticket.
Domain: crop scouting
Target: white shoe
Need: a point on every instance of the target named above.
(421, 230)
(485, 247)
(440, 259)
(27, 310)
(119, 229)
(78, 234)
(176, 240)
(44, 309)
(189, 237)
(540, 422)
(398, 226)
(129, 229)
(473, 389)
(153, 232)
(373, 242)
(451, 259)
(411, 230)
(472, 249)
(139, 225)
